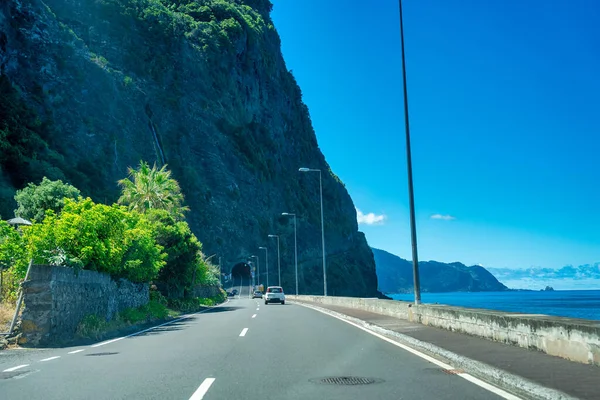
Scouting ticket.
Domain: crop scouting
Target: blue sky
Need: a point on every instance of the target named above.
(504, 101)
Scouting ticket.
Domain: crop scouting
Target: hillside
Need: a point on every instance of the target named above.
(395, 275)
(91, 87)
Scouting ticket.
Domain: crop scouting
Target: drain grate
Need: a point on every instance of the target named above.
(101, 354)
(346, 380)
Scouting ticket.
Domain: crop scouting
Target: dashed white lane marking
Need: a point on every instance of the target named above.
(244, 332)
(254, 316)
(49, 358)
(16, 368)
(76, 351)
(257, 309)
(502, 393)
(202, 389)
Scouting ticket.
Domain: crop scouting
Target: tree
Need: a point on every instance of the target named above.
(151, 188)
(184, 263)
(34, 200)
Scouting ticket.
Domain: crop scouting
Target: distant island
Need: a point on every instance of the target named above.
(547, 289)
(394, 275)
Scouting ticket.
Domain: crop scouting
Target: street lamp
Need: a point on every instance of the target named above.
(295, 248)
(322, 226)
(266, 262)
(258, 270)
(220, 273)
(278, 258)
(411, 196)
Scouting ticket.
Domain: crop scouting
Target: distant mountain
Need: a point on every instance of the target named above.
(587, 271)
(394, 275)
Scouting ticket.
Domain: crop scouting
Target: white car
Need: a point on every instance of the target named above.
(274, 294)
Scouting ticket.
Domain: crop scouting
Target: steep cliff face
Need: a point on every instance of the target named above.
(90, 87)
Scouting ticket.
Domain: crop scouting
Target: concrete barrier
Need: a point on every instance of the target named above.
(573, 339)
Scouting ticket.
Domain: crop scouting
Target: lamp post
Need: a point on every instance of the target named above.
(266, 262)
(322, 226)
(258, 270)
(220, 273)
(411, 196)
(278, 259)
(295, 248)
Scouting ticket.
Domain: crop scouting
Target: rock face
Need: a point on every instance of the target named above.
(395, 275)
(91, 87)
(57, 298)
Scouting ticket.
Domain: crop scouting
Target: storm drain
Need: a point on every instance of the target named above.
(100, 354)
(346, 380)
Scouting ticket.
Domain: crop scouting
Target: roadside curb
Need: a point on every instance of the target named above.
(501, 378)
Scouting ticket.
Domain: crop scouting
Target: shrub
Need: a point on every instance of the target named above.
(91, 326)
(99, 238)
(13, 260)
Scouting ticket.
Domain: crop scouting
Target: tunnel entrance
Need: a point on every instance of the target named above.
(241, 271)
(241, 278)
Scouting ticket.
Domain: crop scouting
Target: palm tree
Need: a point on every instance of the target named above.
(146, 188)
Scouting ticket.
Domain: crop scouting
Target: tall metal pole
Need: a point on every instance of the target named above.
(258, 270)
(295, 248)
(413, 228)
(323, 237)
(296, 254)
(220, 273)
(278, 264)
(266, 262)
(278, 258)
(304, 169)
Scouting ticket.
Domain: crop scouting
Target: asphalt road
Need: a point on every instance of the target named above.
(242, 349)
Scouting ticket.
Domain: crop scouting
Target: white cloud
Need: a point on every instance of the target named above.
(370, 218)
(444, 217)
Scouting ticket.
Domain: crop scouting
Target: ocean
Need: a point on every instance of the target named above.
(563, 303)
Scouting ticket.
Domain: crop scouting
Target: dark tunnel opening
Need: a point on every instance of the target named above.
(240, 273)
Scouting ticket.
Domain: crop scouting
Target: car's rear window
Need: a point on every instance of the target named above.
(274, 290)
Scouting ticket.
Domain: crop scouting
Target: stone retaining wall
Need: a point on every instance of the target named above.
(573, 339)
(56, 299)
(206, 291)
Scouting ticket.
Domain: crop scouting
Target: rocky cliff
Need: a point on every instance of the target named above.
(90, 87)
(396, 276)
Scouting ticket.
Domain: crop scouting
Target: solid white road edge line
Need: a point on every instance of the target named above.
(49, 358)
(202, 389)
(76, 351)
(16, 368)
(502, 393)
(157, 326)
(254, 316)
(244, 332)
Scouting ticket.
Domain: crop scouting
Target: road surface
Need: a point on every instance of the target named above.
(242, 349)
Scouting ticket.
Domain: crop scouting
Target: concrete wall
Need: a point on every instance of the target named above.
(56, 299)
(573, 339)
